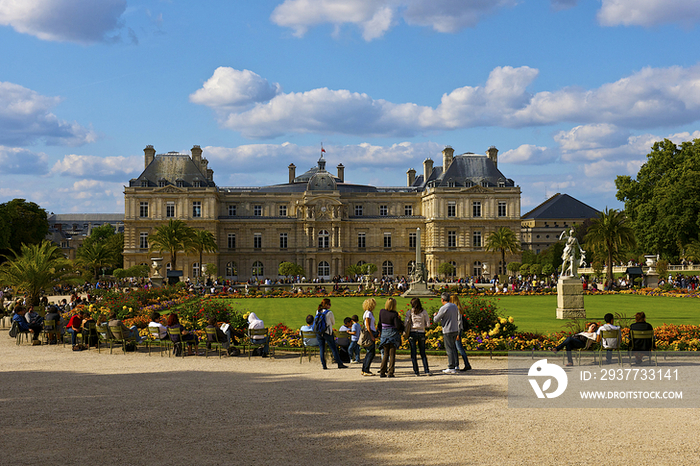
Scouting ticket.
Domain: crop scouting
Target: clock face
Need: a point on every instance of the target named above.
(323, 209)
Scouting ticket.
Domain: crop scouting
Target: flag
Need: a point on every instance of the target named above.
(323, 150)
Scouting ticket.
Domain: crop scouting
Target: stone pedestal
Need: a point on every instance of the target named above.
(570, 299)
(418, 290)
(157, 282)
(651, 280)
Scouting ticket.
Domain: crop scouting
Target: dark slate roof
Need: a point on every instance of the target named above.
(172, 167)
(466, 170)
(561, 206)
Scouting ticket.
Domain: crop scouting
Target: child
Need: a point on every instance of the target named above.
(354, 333)
(344, 342)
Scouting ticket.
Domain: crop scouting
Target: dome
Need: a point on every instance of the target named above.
(321, 181)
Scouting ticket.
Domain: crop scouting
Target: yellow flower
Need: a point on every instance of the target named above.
(502, 320)
(511, 320)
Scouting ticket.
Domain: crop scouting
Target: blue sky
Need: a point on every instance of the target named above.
(572, 93)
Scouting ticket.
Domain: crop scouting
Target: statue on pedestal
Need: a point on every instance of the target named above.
(573, 256)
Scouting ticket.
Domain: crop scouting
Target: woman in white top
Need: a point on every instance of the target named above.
(370, 324)
(254, 323)
(417, 321)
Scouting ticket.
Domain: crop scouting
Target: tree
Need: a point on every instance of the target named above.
(503, 240)
(106, 235)
(548, 269)
(524, 270)
(203, 241)
(172, 238)
(96, 255)
(23, 223)
(663, 203)
(610, 236)
(446, 269)
(535, 269)
(368, 268)
(211, 270)
(290, 269)
(36, 268)
(513, 267)
(353, 270)
(691, 251)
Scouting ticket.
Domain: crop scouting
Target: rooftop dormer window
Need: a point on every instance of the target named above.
(161, 183)
(180, 183)
(144, 183)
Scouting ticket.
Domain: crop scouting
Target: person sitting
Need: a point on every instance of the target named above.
(36, 324)
(225, 337)
(255, 323)
(75, 326)
(89, 334)
(309, 328)
(128, 333)
(21, 321)
(155, 323)
(185, 335)
(641, 346)
(580, 340)
(343, 342)
(608, 343)
(53, 314)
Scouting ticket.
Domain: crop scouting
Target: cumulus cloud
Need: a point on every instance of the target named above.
(648, 12)
(104, 168)
(25, 118)
(649, 98)
(87, 195)
(376, 17)
(14, 160)
(233, 88)
(80, 21)
(529, 154)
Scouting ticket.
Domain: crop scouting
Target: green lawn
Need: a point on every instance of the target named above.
(531, 313)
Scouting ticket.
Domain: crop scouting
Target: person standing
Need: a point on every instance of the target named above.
(417, 321)
(368, 318)
(460, 333)
(448, 317)
(391, 326)
(323, 326)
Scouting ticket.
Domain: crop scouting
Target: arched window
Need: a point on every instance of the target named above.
(196, 272)
(257, 270)
(324, 270)
(168, 266)
(387, 268)
(411, 266)
(323, 239)
(477, 268)
(231, 269)
(361, 263)
(454, 268)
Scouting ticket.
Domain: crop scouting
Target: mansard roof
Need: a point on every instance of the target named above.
(561, 206)
(172, 168)
(466, 170)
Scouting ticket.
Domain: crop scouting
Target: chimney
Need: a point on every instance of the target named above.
(197, 156)
(411, 173)
(493, 155)
(210, 174)
(149, 154)
(341, 172)
(427, 169)
(292, 172)
(447, 156)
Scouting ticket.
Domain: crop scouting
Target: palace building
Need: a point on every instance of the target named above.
(320, 221)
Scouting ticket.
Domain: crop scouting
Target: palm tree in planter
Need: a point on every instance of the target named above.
(173, 237)
(202, 241)
(505, 241)
(610, 236)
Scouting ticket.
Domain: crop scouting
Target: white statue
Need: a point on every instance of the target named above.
(573, 256)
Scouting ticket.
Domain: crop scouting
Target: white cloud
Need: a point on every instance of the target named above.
(92, 195)
(25, 118)
(648, 12)
(586, 137)
(90, 166)
(233, 88)
(529, 154)
(376, 17)
(15, 160)
(80, 21)
(649, 98)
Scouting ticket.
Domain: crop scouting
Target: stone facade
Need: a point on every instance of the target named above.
(323, 223)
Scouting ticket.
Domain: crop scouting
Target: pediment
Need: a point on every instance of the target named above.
(477, 190)
(170, 189)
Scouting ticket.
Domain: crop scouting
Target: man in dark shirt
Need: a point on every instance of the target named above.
(641, 346)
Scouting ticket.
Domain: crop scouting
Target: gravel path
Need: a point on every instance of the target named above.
(83, 407)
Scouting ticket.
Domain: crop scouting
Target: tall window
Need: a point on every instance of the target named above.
(196, 209)
(454, 269)
(477, 268)
(324, 269)
(257, 270)
(283, 240)
(502, 211)
(452, 209)
(196, 271)
(451, 239)
(283, 211)
(387, 268)
(387, 240)
(358, 210)
(383, 210)
(412, 240)
(257, 240)
(231, 269)
(170, 209)
(408, 210)
(476, 239)
(143, 240)
(232, 210)
(323, 239)
(361, 240)
(257, 210)
(232, 241)
(476, 209)
(143, 209)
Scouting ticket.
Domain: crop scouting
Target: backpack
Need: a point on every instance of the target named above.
(14, 330)
(320, 322)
